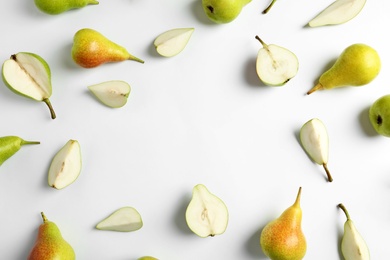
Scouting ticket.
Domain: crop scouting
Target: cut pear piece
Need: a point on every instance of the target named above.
(172, 42)
(112, 93)
(28, 74)
(315, 141)
(275, 65)
(126, 219)
(206, 214)
(340, 11)
(65, 166)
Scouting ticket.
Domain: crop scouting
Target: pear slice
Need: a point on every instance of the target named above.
(275, 65)
(65, 166)
(206, 214)
(315, 141)
(112, 93)
(126, 219)
(28, 74)
(340, 11)
(172, 42)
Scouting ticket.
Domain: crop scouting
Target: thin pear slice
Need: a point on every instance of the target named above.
(275, 65)
(28, 74)
(315, 141)
(126, 219)
(65, 167)
(353, 246)
(340, 11)
(206, 214)
(111, 93)
(172, 42)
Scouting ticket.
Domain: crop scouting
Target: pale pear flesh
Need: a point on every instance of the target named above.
(206, 214)
(112, 93)
(66, 165)
(126, 219)
(340, 11)
(172, 42)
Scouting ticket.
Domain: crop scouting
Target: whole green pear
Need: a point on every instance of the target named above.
(50, 245)
(9, 145)
(223, 11)
(357, 65)
(60, 6)
(379, 115)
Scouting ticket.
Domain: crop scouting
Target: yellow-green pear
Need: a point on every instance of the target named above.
(282, 238)
(147, 258)
(60, 6)
(9, 145)
(223, 11)
(357, 65)
(50, 245)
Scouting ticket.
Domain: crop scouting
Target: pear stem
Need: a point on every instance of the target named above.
(43, 217)
(136, 59)
(341, 206)
(30, 142)
(261, 41)
(269, 7)
(330, 179)
(52, 113)
(315, 88)
(298, 199)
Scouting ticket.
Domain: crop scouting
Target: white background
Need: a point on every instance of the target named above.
(200, 117)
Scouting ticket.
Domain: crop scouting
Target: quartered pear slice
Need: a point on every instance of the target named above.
(340, 11)
(275, 65)
(172, 42)
(206, 214)
(125, 219)
(315, 141)
(29, 75)
(65, 167)
(111, 93)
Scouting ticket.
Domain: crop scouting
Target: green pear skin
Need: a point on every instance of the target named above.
(91, 49)
(60, 6)
(223, 11)
(379, 115)
(50, 245)
(9, 145)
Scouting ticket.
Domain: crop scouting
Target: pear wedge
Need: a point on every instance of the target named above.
(315, 141)
(172, 42)
(339, 12)
(112, 93)
(65, 167)
(126, 219)
(28, 74)
(206, 214)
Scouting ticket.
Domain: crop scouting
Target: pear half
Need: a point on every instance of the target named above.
(172, 42)
(125, 219)
(315, 141)
(275, 65)
(28, 74)
(340, 11)
(112, 93)
(65, 167)
(206, 214)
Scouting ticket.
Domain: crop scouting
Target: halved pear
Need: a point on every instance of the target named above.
(112, 93)
(125, 219)
(315, 141)
(29, 75)
(206, 214)
(340, 11)
(65, 166)
(275, 65)
(172, 42)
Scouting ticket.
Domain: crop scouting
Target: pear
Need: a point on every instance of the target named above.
(266, 10)
(111, 93)
(223, 11)
(275, 65)
(147, 258)
(60, 6)
(353, 246)
(126, 219)
(91, 49)
(357, 65)
(340, 11)
(206, 214)
(315, 141)
(65, 166)
(283, 238)
(9, 145)
(50, 244)
(379, 115)
(29, 75)
(172, 42)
